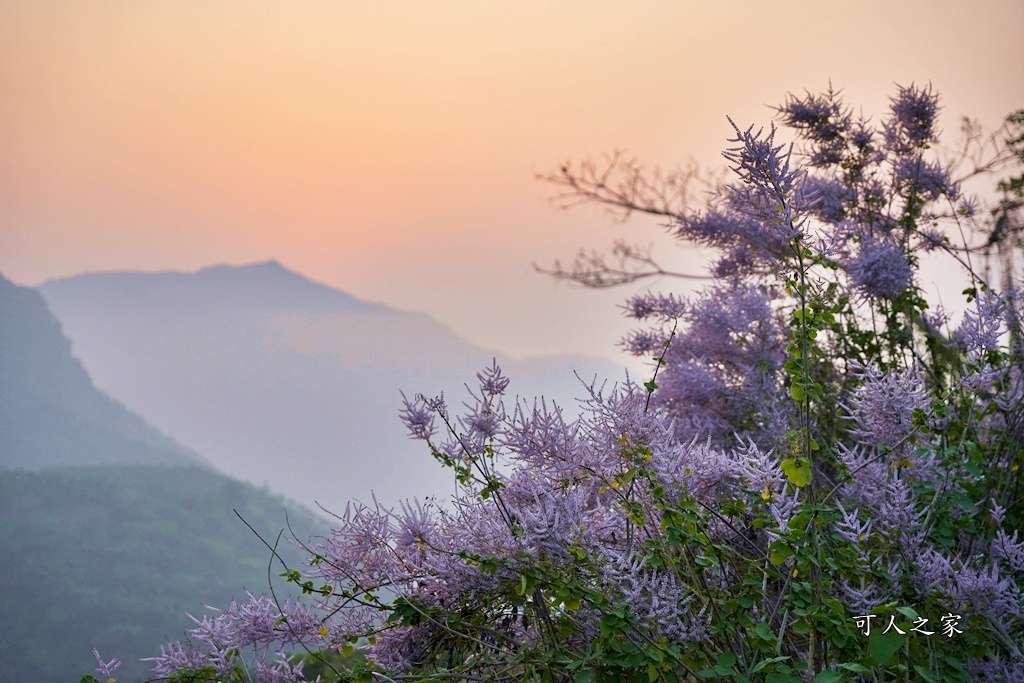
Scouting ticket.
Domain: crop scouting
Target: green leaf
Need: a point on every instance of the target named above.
(884, 645)
(798, 471)
(828, 677)
(955, 663)
(584, 676)
(927, 675)
(765, 662)
(908, 612)
(723, 665)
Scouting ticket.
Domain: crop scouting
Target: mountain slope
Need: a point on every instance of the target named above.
(277, 379)
(50, 412)
(113, 556)
(112, 551)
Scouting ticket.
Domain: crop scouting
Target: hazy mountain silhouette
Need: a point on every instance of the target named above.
(50, 412)
(110, 531)
(279, 380)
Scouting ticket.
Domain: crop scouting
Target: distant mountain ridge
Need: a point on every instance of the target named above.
(267, 285)
(110, 530)
(50, 411)
(279, 380)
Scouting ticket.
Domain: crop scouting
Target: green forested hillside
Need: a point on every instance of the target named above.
(113, 556)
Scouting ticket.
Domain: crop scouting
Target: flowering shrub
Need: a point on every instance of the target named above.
(819, 482)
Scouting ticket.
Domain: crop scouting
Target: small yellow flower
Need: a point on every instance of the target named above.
(323, 631)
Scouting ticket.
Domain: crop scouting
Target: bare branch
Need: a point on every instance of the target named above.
(623, 186)
(632, 263)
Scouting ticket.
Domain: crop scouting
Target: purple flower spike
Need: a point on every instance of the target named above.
(880, 268)
(912, 124)
(106, 669)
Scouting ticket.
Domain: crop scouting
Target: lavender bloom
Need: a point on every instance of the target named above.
(650, 305)
(998, 513)
(856, 532)
(736, 261)
(980, 330)
(898, 519)
(883, 408)
(415, 526)
(983, 591)
(997, 670)
(655, 599)
(830, 198)
(967, 206)
(644, 343)
(862, 137)
(928, 180)
(763, 167)
(822, 120)
(722, 374)
(783, 507)
(550, 522)
(859, 600)
(745, 240)
(755, 220)
(399, 649)
(541, 438)
(912, 123)
(869, 476)
(280, 671)
(931, 569)
(1009, 550)
(418, 418)
(175, 656)
(106, 669)
(880, 268)
(761, 471)
(931, 238)
(492, 381)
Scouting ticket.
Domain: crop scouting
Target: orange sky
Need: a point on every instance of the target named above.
(389, 148)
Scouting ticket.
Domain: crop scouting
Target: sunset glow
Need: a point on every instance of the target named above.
(390, 149)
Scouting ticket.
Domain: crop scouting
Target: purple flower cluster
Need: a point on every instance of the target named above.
(106, 669)
(822, 120)
(260, 624)
(914, 113)
(627, 527)
(982, 326)
(880, 268)
(928, 180)
(883, 408)
(722, 375)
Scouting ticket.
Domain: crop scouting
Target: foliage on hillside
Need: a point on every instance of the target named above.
(113, 557)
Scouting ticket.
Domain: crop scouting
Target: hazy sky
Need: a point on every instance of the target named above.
(389, 148)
